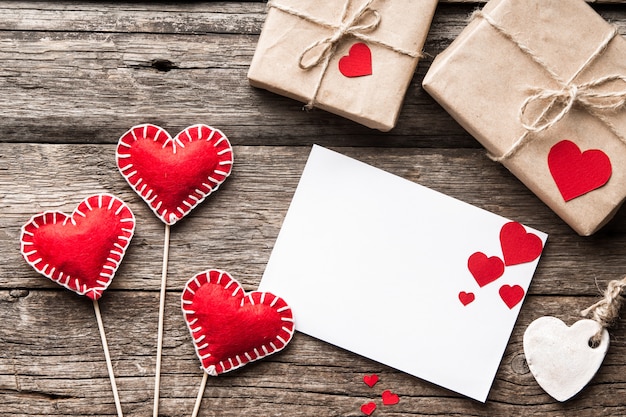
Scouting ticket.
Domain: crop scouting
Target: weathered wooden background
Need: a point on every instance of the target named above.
(75, 75)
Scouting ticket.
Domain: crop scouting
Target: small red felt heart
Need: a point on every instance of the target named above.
(485, 269)
(389, 398)
(174, 175)
(466, 297)
(83, 251)
(577, 173)
(368, 408)
(358, 62)
(230, 328)
(519, 246)
(511, 295)
(370, 380)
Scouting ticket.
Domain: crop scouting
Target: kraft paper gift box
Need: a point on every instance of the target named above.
(541, 85)
(307, 52)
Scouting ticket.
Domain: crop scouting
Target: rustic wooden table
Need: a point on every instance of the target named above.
(75, 75)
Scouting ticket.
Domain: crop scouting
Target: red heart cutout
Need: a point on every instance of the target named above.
(485, 269)
(370, 380)
(174, 175)
(466, 297)
(231, 328)
(358, 62)
(577, 173)
(511, 295)
(83, 251)
(368, 408)
(519, 246)
(389, 398)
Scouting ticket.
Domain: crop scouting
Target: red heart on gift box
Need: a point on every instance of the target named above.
(466, 297)
(370, 380)
(358, 62)
(230, 328)
(576, 173)
(511, 295)
(82, 251)
(174, 175)
(519, 246)
(485, 269)
(368, 408)
(389, 398)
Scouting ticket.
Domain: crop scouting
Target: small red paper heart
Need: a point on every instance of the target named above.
(485, 269)
(577, 173)
(231, 328)
(389, 398)
(358, 62)
(511, 295)
(370, 380)
(368, 408)
(466, 297)
(174, 175)
(83, 251)
(519, 246)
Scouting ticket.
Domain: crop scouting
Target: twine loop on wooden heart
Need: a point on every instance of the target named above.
(606, 311)
(364, 20)
(586, 95)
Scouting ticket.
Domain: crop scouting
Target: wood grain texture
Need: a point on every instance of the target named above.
(76, 75)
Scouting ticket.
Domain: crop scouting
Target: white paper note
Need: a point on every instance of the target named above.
(401, 274)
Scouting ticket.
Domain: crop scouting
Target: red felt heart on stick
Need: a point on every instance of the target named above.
(174, 175)
(485, 269)
(82, 251)
(511, 295)
(466, 297)
(389, 398)
(231, 328)
(519, 246)
(358, 62)
(368, 408)
(576, 173)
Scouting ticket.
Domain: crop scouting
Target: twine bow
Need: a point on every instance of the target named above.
(589, 96)
(606, 311)
(363, 21)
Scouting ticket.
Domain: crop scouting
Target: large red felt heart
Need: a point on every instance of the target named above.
(231, 328)
(83, 251)
(174, 175)
(485, 269)
(577, 173)
(519, 246)
(358, 62)
(511, 295)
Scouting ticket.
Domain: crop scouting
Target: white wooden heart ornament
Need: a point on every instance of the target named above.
(560, 357)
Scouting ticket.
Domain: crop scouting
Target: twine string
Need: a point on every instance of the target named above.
(362, 22)
(606, 311)
(589, 96)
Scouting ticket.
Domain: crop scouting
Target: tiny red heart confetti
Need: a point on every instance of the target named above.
(358, 62)
(466, 297)
(230, 327)
(511, 295)
(576, 173)
(519, 246)
(174, 175)
(370, 380)
(81, 251)
(485, 269)
(389, 398)
(368, 408)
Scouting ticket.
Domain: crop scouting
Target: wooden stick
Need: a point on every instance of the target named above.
(157, 376)
(107, 357)
(196, 408)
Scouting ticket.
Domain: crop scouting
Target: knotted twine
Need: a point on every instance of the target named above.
(606, 311)
(586, 95)
(356, 26)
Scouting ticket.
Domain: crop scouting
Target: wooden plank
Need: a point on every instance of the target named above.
(235, 229)
(51, 363)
